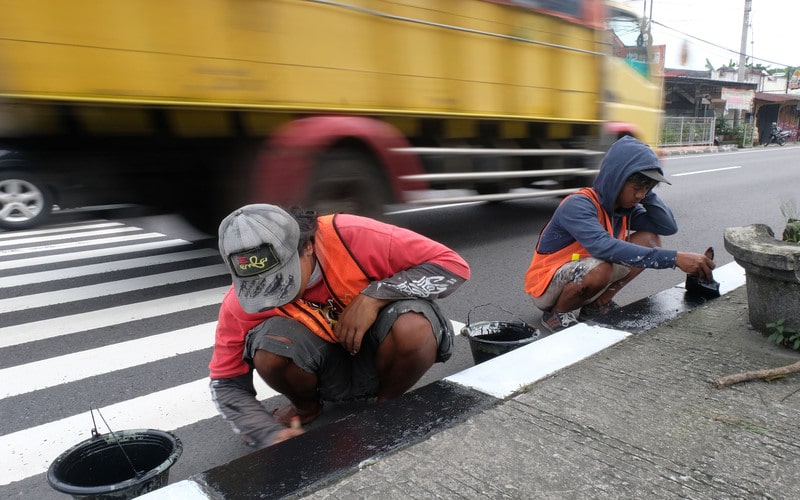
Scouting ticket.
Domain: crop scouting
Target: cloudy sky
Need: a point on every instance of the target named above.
(712, 29)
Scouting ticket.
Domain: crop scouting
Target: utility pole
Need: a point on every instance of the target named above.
(743, 47)
(743, 54)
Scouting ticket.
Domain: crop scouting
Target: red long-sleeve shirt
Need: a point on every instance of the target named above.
(405, 265)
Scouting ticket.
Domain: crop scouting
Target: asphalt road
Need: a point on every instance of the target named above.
(114, 310)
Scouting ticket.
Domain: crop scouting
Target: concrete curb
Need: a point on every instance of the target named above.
(316, 459)
(693, 150)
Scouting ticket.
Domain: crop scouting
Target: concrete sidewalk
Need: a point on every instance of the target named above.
(590, 412)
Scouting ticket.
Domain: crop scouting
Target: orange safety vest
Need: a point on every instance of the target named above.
(342, 274)
(544, 265)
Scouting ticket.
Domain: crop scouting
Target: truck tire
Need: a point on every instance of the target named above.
(349, 182)
(25, 201)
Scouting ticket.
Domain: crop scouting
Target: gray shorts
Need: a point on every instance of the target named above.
(574, 271)
(343, 376)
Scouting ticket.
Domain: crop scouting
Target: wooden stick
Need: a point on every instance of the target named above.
(755, 375)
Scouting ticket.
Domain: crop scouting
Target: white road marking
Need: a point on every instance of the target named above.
(109, 288)
(55, 230)
(22, 379)
(69, 236)
(706, 171)
(76, 323)
(105, 267)
(77, 244)
(90, 254)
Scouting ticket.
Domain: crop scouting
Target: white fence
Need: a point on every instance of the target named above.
(687, 131)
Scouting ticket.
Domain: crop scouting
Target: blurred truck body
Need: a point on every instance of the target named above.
(200, 106)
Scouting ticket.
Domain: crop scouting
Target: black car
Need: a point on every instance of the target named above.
(26, 198)
(33, 185)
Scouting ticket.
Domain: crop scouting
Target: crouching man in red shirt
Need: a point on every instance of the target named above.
(329, 308)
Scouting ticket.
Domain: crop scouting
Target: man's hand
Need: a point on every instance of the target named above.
(695, 263)
(355, 320)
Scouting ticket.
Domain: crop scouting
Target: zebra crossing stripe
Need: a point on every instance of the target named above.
(80, 365)
(90, 254)
(19, 235)
(76, 323)
(106, 267)
(68, 236)
(16, 252)
(110, 288)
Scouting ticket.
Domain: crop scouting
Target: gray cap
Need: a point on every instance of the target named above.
(654, 174)
(259, 245)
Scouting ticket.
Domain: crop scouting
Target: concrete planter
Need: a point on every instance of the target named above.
(772, 268)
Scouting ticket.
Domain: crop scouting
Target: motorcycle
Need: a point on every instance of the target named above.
(779, 137)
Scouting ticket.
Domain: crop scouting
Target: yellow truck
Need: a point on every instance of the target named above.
(354, 105)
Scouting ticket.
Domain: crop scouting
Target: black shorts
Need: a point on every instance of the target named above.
(343, 376)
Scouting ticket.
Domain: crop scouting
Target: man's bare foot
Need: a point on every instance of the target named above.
(287, 433)
(284, 415)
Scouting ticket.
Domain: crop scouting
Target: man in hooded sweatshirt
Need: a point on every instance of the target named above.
(602, 237)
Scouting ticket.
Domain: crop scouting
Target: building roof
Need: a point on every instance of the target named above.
(687, 73)
(772, 97)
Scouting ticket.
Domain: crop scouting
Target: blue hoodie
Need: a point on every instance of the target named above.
(576, 217)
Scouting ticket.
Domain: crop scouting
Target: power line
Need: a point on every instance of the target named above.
(732, 51)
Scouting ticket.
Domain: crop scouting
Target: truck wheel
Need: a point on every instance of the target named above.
(347, 182)
(25, 201)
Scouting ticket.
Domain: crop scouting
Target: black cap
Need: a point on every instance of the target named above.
(654, 174)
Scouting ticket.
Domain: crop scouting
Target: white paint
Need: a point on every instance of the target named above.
(411, 210)
(69, 236)
(105, 267)
(90, 254)
(18, 235)
(57, 370)
(109, 288)
(76, 323)
(182, 490)
(77, 244)
(705, 171)
(504, 375)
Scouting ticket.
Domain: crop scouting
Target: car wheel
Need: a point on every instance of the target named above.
(348, 182)
(25, 201)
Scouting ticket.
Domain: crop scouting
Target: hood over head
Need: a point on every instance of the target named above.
(623, 159)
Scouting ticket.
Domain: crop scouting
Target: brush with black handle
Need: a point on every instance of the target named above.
(700, 287)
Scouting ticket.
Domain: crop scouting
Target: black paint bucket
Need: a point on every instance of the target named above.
(488, 339)
(123, 464)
